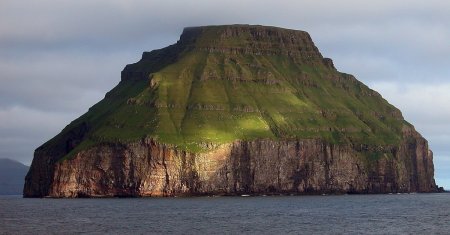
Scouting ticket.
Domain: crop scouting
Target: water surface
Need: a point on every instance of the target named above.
(368, 214)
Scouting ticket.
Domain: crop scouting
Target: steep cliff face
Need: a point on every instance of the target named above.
(147, 168)
(234, 110)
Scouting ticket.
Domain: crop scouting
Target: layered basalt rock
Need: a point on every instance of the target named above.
(231, 110)
(148, 168)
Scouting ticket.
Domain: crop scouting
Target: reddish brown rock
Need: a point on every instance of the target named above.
(147, 168)
(91, 157)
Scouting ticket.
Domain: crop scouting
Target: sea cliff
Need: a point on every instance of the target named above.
(148, 168)
(230, 110)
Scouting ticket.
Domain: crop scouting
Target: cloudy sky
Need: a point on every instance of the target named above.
(58, 58)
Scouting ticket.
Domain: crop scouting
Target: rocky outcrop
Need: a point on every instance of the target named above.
(260, 111)
(148, 168)
(233, 40)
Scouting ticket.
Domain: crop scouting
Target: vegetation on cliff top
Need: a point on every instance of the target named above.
(224, 83)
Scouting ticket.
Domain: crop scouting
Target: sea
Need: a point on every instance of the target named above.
(326, 214)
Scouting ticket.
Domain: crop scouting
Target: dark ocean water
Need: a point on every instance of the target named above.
(344, 214)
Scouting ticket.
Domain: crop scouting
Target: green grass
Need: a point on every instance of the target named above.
(210, 97)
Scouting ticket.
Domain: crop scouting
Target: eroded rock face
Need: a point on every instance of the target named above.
(147, 168)
(308, 128)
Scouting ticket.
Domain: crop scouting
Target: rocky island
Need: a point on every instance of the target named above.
(230, 110)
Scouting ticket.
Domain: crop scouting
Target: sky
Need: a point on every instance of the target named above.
(59, 57)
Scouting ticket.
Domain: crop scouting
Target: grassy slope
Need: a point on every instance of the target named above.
(287, 109)
(211, 97)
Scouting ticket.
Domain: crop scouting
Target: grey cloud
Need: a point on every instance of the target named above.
(56, 82)
(19, 150)
(23, 129)
(20, 121)
(58, 58)
(117, 21)
(389, 53)
(425, 105)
